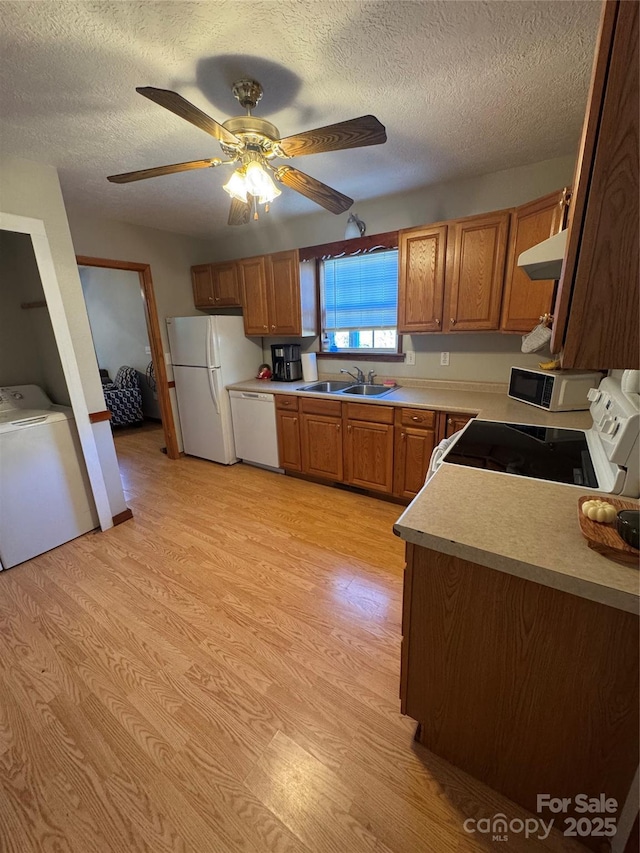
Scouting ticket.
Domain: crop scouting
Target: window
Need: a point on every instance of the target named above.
(359, 301)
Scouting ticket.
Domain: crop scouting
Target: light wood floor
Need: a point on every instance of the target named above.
(218, 675)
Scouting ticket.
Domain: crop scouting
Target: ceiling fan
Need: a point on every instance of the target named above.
(254, 144)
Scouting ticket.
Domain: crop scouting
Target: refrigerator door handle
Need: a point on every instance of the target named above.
(207, 343)
(211, 373)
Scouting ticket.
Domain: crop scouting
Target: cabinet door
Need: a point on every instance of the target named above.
(453, 422)
(283, 276)
(321, 439)
(421, 269)
(475, 272)
(596, 312)
(525, 301)
(202, 286)
(289, 441)
(412, 456)
(369, 455)
(226, 291)
(253, 279)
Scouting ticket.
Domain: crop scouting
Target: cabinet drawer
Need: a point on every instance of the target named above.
(332, 408)
(287, 401)
(373, 414)
(417, 418)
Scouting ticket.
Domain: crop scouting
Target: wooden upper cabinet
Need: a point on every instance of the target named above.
(525, 301)
(476, 250)
(202, 286)
(226, 289)
(279, 295)
(253, 282)
(596, 312)
(216, 285)
(421, 277)
(284, 293)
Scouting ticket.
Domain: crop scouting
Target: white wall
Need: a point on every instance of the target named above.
(32, 190)
(170, 256)
(464, 197)
(118, 325)
(473, 357)
(28, 350)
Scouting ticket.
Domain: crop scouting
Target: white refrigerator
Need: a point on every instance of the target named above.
(208, 353)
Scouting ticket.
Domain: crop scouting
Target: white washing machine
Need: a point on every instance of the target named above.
(45, 495)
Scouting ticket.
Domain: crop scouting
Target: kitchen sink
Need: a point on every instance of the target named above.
(370, 390)
(326, 387)
(364, 390)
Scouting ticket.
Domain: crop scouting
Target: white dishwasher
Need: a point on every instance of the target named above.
(254, 428)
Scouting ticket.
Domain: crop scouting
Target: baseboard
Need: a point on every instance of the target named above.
(125, 515)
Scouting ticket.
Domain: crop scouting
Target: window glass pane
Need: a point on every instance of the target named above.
(359, 297)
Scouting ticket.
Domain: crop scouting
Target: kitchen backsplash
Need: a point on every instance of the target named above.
(474, 358)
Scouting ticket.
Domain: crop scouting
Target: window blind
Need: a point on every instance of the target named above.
(360, 292)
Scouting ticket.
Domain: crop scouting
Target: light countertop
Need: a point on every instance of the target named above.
(517, 525)
(459, 397)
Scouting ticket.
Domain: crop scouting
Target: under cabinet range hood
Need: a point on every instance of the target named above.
(544, 261)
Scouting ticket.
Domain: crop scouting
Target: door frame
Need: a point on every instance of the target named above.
(155, 341)
(35, 228)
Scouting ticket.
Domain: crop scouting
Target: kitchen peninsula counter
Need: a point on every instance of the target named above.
(524, 527)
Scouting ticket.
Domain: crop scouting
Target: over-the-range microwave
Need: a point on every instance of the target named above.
(554, 390)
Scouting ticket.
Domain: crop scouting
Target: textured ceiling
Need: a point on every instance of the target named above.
(463, 88)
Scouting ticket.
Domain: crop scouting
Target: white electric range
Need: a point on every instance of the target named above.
(605, 457)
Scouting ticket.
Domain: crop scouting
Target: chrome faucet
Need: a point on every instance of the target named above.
(370, 377)
(359, 377)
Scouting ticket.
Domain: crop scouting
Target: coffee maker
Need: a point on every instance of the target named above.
(287, 366)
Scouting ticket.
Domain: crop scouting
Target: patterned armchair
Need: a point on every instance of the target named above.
(123, 397)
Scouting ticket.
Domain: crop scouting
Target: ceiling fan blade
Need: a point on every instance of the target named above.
(355, 133)
(177, 104)
(325, 196)
(125, 177)
(239, 212)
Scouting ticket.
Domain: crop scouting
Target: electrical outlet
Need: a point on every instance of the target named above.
(147, 350)
(444, 359)
(410, 357)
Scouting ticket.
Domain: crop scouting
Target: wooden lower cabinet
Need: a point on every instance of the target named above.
(288, 421)
(384, 449)
(527, 688)
(451, 422)
(415, 438)
(369, 447)
(321, 438)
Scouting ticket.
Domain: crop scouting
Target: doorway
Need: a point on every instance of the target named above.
(125, 338)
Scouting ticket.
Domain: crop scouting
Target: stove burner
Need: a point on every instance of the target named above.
(545, 453)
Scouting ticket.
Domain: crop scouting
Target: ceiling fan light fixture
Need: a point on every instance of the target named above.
(236, 186)
(258, 183)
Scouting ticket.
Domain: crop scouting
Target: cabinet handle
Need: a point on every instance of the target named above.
(265, 327)
(286, 402)
(437, 321)
(453, 321)
(295, 420)
(403, 435)
(211, 299)
(273, 328)
(217, 299)
(349, 428)
(415, 418)
(450, 421)
(338, 427)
